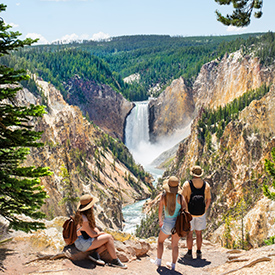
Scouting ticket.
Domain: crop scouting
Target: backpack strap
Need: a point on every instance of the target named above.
(193, 188)
(181, 200)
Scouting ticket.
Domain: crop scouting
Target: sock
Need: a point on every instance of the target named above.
(158, 262)
(189, 251)
(173, 266)
(198, 251)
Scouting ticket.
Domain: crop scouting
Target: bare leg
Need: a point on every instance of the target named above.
(108, 241)
(199, 239)
(175, 248)
(162, 237)
(189, 240)
(101, 249)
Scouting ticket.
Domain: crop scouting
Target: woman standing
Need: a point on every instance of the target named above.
(170, 202)
(89, 236)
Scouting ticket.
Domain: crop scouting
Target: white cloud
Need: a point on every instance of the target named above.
(17, 4)
(100, 36)
(13, 25)
(62, 0)
(42, 39)
(72, 37)
(235, 29)
(68, 38)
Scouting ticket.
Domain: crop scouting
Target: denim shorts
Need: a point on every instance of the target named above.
(168, 225)
(83, 244)
(198, 223)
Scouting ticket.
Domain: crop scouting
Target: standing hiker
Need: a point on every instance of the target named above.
(170, 202)
(89, 236)
(197, 195)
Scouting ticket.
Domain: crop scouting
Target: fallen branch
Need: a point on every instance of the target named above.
(49, 271)
(48, 257)
(263, 259)
(237, 260)
(6, 240)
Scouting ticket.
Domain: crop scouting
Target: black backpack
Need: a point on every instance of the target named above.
(196, 205)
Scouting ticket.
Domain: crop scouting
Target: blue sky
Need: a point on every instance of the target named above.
(52, 20)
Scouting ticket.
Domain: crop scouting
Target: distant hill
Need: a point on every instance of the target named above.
(158, 59)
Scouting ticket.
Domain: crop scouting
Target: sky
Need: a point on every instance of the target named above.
(67, 20)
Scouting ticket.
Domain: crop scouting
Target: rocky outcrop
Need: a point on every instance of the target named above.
(74, 153)
(172, 110)
(234, 167)
(107, 108)
(220, 82)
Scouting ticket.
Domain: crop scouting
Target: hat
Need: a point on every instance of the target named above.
(196, 171)
(86, 202)
(171, 185)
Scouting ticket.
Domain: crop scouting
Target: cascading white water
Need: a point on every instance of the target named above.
(137, 127)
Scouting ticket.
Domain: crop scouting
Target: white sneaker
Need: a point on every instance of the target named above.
(171, 265)
(156, 262)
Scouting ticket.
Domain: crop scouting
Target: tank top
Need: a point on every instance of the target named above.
(177, 208)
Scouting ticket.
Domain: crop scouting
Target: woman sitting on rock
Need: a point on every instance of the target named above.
(89, 236)
(170, 202)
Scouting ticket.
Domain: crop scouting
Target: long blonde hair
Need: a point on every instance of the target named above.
(89, 213)
(170, 202)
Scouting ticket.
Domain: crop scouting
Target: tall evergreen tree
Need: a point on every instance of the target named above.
(242, 12)
(270, 168)
(20, 191)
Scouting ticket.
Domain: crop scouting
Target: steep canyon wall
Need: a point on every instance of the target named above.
(72, 144)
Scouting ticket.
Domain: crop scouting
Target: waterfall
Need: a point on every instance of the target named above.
(137, 127)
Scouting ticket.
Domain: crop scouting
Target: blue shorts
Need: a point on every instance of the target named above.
(168, 225)
(83, 244)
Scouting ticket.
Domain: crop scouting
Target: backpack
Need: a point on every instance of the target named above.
(182, 225)
(69, 231)
(196, 205)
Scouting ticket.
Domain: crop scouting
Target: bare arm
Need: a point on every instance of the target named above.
(161, 204)
(91, 232)
(207, 203)
(184, 205)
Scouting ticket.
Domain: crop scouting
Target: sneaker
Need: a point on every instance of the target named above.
(156, 262)
(118, 263)
(95, 258)
(171, 265)
(199, 254)
(188, 256)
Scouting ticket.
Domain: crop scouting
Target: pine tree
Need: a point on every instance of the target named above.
(270, 168)
(20, 191)
(242, 12)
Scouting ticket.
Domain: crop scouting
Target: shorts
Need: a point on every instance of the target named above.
(83, 244)
(198, 223)
(168, 225)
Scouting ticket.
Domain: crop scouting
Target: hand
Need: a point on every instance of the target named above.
(160, 223)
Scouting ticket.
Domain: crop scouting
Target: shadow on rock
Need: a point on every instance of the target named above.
(4, 253)
(194, 262)
(164, 270)
(87, 264)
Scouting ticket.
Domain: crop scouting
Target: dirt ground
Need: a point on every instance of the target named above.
(16, 258)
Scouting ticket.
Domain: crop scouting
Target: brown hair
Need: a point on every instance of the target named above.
(89, 213)
(170, 203)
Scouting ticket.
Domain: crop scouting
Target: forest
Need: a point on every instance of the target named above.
(158, 59)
